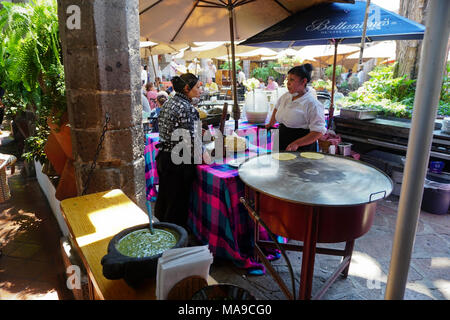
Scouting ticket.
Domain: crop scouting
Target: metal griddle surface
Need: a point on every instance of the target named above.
(331, 181)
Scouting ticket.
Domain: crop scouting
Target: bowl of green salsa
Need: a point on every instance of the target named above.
(134, 252)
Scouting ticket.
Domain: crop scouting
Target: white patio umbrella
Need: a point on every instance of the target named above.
(254, 54)
(153, 48)
(214, 50)
(150, 48)
(182, 21)
(379, 50)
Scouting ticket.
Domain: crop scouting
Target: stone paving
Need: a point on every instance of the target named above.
(428, 277)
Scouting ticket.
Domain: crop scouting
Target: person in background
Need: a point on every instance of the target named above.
(193, 67)
(271, 84)
(161, 98)
(144, 75)
(159, 84)
(262, 84)
(211, 86)
(299, 113)
(175, 180)
(151, 95)
(241, 77)
(349, 74)
(145, 104)
(211, 70)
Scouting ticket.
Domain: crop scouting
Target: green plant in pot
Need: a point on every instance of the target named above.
(31, 68)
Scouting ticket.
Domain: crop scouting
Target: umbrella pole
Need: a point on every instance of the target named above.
(331, 110)
(154, 70)
(236, 111)
(229, 61)
(363, 38)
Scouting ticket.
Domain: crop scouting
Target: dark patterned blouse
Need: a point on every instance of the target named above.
(179, 113)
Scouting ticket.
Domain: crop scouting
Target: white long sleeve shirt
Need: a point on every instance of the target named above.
(305, 112)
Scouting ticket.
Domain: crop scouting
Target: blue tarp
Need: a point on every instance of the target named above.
(318, 24)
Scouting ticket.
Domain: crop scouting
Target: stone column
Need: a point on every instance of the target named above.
(102, 74)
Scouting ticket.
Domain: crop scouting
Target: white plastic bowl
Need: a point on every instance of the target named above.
(256, 116)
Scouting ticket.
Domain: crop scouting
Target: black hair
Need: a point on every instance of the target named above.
(161, 99)
(179, 82)
(303, 71)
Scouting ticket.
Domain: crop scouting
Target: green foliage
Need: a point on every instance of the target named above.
(445, 91)
(289, 61)
(390, 96)
(227, 66)
(320, 85)
(30, 66)
(329, 71)
(266, 71)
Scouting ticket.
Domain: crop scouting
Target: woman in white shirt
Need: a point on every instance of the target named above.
(299, 114)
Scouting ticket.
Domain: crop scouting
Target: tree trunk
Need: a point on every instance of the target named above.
(408, 51)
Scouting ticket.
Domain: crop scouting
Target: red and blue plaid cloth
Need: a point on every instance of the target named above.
(151, 174)
(216, 215)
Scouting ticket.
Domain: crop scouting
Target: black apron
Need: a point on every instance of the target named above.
(175, 186)
(289, 135)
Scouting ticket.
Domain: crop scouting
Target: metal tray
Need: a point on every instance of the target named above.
(362, 114)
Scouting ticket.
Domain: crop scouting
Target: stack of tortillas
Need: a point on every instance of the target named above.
(235, 143)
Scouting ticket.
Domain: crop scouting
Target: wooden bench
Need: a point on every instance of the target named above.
(93, 220)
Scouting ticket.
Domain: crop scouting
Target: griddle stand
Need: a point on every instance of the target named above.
(309, 249)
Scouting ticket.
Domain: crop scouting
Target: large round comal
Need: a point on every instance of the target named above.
(134, 252)
(341, 191)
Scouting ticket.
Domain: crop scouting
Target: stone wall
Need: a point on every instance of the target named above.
(102, 71)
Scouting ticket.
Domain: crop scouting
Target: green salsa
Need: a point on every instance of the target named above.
(141, 243)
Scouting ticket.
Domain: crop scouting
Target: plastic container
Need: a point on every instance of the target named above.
(345, 149)
(436, 195)
(256, 106)
(436, 166)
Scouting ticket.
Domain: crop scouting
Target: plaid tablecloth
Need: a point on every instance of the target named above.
(216, 216)
(151, 175)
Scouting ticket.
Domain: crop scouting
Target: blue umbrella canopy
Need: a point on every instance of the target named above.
(338, 23)
(343, 21)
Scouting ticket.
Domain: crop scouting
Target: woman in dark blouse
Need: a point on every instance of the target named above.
(180, 144)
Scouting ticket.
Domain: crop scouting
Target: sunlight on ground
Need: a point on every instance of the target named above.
(441, 262)
(113, 218)
(444, 287)
(366, 267)
(8, 291)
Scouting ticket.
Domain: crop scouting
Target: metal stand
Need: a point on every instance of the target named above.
(309, 249)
